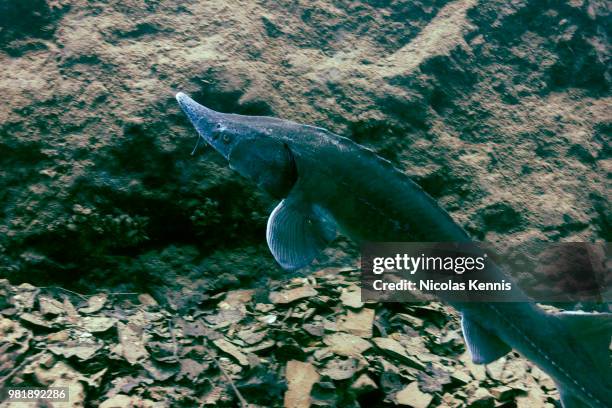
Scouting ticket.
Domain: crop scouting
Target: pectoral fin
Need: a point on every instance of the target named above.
(484, 347)
(297, 232)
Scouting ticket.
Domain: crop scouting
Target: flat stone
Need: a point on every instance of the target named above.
(481, 398)
(503, 393)
(515, 369)
(147, 300)
(239, 296)
(264, 307)
(97, 324)
(12, 332)
(291, 295)
(316, 330)
(50, 306)
(225, 317)
(460, 377)
(268, 319)
(232, 350)
(191, 369)
(414, 345)
(351, 297)
(322, 353)
(396, 350)
(476, 370)
(345, 344)
(363, 384)
(337, 369)
(82, 350)
(411, 395)
(495, 369)
(357, 323)
(160, 372)
(26, 296)
(543, 379)
(330, 326)
(535, 397)
(35, 320)
(411, 320)
(121, 400)
(264, 345)
(300, 379)
(61, 375)
(132, 342)
(450, 400)
(94, 304)
(251, 337)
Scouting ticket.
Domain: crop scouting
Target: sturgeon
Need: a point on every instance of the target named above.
(327, 183)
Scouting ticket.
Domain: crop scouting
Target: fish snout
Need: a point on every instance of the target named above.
(194, 110)
(209, 124)
(201, 117)
(181, 97)
(185, 102)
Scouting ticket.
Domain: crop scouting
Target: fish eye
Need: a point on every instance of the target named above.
(226, 138)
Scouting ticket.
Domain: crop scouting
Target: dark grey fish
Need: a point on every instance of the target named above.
(327, 182)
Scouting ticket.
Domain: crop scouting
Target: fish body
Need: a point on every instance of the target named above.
(327, 182)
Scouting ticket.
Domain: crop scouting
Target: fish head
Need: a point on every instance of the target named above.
(216, 128)
(250, 144)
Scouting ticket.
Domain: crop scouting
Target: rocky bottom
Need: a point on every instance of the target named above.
(309, 341)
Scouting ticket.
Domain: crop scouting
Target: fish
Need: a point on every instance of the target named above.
(326, 183)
